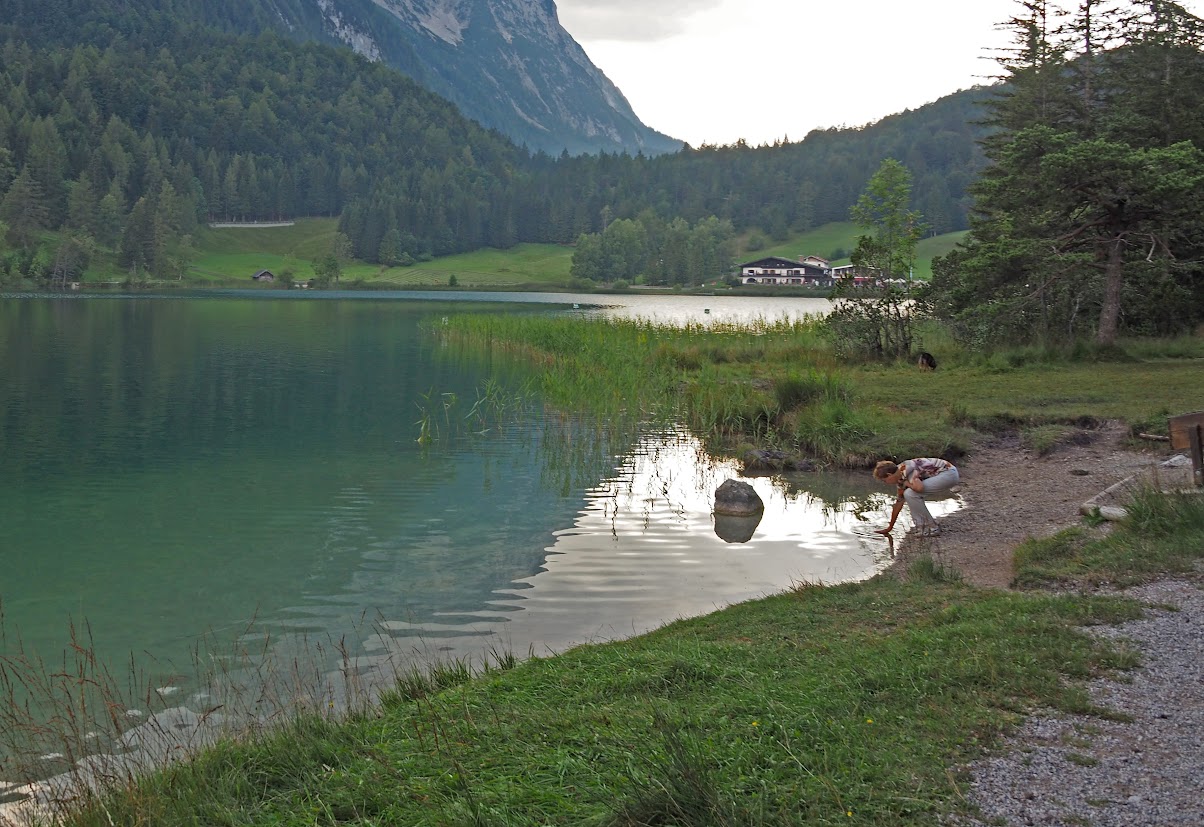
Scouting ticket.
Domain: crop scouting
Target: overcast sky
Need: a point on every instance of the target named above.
(715, 71)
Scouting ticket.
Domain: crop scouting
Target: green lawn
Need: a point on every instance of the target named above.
(822, 241)
(524, 264)
(227, 254)
(236, 253)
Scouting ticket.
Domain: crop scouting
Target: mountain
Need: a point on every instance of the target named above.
(508, 64)
(127, 123)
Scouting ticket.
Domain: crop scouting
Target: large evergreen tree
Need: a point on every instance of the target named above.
(24, 210)
(1096, 166)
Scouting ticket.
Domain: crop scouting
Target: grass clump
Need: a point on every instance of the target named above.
(1164, 533)
(1043, 439)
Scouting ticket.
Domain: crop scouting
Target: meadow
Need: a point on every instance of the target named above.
(232, 255)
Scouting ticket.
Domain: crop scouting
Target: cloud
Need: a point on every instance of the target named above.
(642, 21)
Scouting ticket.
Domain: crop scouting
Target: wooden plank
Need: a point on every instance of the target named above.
(1196, 452)
(1181, 429)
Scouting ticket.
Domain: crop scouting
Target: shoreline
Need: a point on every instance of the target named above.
(1010, 495)
(1004, 783)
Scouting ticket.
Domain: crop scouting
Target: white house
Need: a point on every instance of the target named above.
(809, 272)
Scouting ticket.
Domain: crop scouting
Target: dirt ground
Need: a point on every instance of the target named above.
(1010, 494)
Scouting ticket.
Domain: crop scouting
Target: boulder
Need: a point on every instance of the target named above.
(737, 499)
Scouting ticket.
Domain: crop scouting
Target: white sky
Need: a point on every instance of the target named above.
(715, 71)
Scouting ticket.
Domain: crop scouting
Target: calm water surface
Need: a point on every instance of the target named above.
(176, 473)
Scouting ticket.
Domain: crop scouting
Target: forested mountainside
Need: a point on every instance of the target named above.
(507, 64)
(131, 136)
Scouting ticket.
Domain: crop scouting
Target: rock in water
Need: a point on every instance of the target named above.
(737, 499)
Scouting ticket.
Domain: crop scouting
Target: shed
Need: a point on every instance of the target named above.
(263, 275)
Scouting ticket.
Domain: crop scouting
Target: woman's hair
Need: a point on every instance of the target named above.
(884, 469)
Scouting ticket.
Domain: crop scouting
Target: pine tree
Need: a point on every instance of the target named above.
(24, 210)
(138, 239)
(1092, 187)
(83, 205)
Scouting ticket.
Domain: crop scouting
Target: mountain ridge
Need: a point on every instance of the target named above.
(507, 64)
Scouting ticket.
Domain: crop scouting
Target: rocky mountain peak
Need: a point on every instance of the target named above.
(508, 64)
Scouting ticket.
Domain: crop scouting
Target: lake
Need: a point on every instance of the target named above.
(189, 479)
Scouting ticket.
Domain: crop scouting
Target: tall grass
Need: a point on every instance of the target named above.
(77, 727)
(777, 383)
(638, 371)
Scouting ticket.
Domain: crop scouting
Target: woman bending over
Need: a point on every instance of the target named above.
(914, 478)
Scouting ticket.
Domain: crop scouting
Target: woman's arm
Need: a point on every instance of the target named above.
(894, 514)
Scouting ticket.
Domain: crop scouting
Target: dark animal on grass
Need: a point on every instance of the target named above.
(926, 361)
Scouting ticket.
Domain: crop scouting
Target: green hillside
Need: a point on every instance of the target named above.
(930, 248)
(232, 255)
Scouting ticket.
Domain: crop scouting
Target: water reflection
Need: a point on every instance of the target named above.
(736, 529)
(645, 549)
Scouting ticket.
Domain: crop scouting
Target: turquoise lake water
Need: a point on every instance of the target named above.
(184, 477)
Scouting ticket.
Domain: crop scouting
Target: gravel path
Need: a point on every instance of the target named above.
(1145, 770)
(1148, 767)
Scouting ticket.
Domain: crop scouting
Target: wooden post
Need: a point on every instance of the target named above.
(1187, 434)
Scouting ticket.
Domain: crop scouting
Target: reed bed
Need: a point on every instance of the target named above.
(778, 384)
(769, 382)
